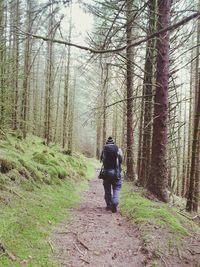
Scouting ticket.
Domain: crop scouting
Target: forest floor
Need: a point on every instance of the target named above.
(100, 238)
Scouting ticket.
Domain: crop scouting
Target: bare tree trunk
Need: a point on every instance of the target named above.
(98, 125)
(158, 180)
(58, 100)
(148, 91)
(124, 128)
(16, 20)
(191, 194)
(71, 116)
(189, 133)
(197, 98)
(184, 168)
(130, 172)
(49, 80)
(66, 88)
(2, 63)
(140, 141)
(105, 89)
(27, 54)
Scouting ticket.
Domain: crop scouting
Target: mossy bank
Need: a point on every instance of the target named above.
(38, 185)
(167, 234)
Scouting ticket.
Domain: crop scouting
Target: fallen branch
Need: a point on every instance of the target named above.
(77, 238)
(188, 217)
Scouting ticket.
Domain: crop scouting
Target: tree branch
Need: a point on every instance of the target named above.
(96, 51)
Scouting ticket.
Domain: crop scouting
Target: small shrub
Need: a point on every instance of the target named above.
(6, 165)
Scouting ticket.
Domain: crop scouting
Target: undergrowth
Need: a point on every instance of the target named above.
(38, 184)
(144, 212)
(164, 230)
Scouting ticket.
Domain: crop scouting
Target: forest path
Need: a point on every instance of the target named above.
(96, 237)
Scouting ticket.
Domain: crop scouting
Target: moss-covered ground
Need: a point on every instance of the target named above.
(165, 231)
(38, 185)
(143, 211)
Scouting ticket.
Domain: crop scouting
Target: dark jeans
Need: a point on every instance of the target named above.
(112, 191)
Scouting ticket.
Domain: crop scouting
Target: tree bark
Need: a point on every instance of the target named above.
(130, 171)
(105, 89)
(158, 180)
(2, 63)
(66, 88)
(148, 91)
(27, 55)
(191, 196)
(16, 20)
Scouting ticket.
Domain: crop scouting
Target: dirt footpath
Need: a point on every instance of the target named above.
(96, 237)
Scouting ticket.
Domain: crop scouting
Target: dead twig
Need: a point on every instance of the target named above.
(12, 191)
(191, 251)
(85, 261)
(66, 232)
(179, 255)
(80, 251)
(161, 257)
(81, 242)
(51, 246)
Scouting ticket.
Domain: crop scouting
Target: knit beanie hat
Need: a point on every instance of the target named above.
(110, 140)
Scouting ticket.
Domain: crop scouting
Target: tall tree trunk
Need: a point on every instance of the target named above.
(193, 195)
(124, 127)
(158, 180)
(16, 20)
(184, 167)
(71, 116)
(98, 127)
(140, 141)
(148, 91)
(130, 172)
(105, 89)
(49, 79)
(197, 86)
(2, 63)
(66, 88)
(24, 110)
(56, 139)
(190, 125)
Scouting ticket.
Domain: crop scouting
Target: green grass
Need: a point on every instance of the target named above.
(37, 187)
(25, 225)
(143, 211)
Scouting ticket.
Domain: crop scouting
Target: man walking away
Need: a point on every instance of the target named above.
(111, 157)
